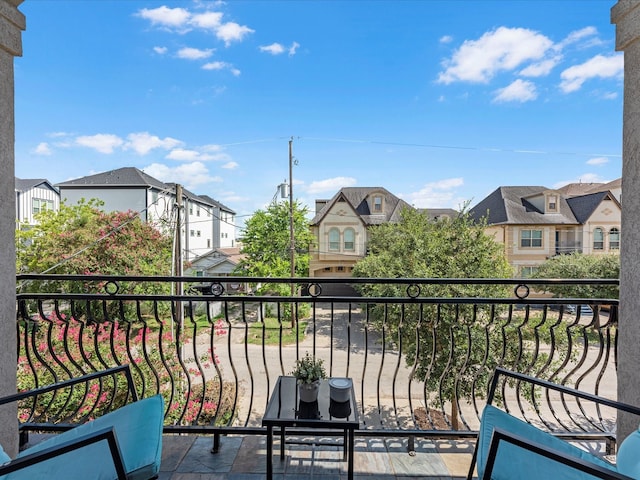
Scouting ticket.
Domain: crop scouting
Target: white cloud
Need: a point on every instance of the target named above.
(610, 95)
(215, 65)
(195, 53)
(542, 68)
(207, 20)
(218, 65)
(446, 39)
(102, 142)
(584, 178)
(293, 48)
(597, 67)
(230, 165)
(165, 16)
(232, 32)
(519, 91)
(598, 161)
(188, 155)
(502, 49)
(440, 194)
(578, 35)
(273, 49)
(58, 134)
(160, 50)
(43, 148)
(191, 175)
(143, 142)
(330, 185)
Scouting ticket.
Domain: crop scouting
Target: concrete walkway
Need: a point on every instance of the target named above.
(189, 457)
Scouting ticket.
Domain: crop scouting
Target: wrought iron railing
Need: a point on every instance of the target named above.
(420, 356)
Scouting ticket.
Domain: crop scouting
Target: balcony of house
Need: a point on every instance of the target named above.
(420, 357)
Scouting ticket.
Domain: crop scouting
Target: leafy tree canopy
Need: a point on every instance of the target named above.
(418, 247)
(82, 239)
(267, 242)
(579, 265)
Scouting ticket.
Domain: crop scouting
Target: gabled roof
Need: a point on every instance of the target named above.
(190, 195)
(121, 177)
(357, 197)
(24, 184)
(217, 203)
(584, 205)
(217, 256)
(511, 205)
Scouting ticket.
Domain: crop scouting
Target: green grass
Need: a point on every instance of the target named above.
(271, 330)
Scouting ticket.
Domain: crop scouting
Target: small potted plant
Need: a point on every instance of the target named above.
(308, 372)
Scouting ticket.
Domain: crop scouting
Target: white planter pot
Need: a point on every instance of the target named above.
(309, 391)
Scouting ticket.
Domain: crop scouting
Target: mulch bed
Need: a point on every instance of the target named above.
(433, 420)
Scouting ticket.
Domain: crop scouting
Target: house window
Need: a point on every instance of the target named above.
(198, 212)
(598, 239)
(190, 209)
(614, 239)
(192, 233)
(198, 233)
(334, 239)
(553, 203)
(208, 243)
(199, 273)
(349, 239)
(530, 238)
(377, 204)
(527, 272)
(340, 269)
(39, 205)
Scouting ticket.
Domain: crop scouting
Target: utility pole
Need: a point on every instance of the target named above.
(292, 239)
(177, 254)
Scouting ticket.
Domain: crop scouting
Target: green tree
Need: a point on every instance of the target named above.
(579, 265)
(453, 346)
(266, 242)
(82, 239)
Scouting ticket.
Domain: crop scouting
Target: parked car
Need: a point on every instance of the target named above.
(584, 309)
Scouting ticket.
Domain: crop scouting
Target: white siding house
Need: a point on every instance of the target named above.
(129, 188)
(34, 196)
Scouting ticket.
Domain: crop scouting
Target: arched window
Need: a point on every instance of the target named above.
(598, 239)
(350, 239)
(614, 239)
(334, 239)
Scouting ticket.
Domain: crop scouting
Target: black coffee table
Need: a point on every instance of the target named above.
(285, 410)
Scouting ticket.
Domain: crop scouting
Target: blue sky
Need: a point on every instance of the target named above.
(440, 102)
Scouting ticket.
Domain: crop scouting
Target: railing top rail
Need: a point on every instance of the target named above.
(315, 280)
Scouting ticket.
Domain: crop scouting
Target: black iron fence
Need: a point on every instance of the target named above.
(420, 352)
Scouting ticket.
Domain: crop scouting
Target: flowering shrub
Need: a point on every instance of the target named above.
(57, 345)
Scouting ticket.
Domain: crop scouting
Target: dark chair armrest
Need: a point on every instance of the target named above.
(500, 435)
(107, 434)
(558, 388)
(125, 369)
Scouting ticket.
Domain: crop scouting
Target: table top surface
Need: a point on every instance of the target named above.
(286, 409)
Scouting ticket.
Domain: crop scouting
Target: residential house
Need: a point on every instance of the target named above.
(34, 195)
(340, 227)
(535, 223)
(219, 262)
(225, 226)
(439, 213)
(129, 188)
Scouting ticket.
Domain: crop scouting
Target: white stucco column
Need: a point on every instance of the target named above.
(626, 15)
(12, 22)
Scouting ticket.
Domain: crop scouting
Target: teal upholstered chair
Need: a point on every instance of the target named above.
(125, 443)
(510, 448)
